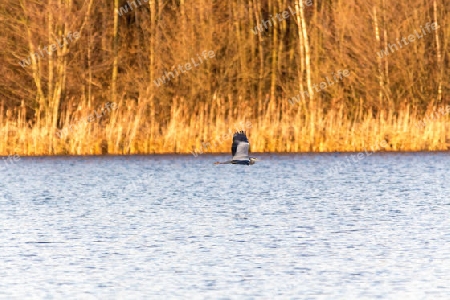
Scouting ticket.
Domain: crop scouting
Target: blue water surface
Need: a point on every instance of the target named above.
(180, 227)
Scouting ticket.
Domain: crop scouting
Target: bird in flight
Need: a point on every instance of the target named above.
(239, 150)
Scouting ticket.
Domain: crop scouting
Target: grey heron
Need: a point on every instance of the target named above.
(239, 150)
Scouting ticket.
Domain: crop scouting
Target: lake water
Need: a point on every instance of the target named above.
(167, 227)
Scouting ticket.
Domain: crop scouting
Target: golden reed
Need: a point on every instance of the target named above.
(276, 127)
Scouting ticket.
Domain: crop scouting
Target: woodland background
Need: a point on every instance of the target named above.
(250, 79)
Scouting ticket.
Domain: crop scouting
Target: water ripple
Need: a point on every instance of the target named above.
(179, 227)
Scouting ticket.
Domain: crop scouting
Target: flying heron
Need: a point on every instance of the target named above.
(239, 150)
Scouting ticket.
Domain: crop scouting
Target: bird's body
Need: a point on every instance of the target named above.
(239, 150)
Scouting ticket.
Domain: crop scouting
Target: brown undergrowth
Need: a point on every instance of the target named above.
(271, 127)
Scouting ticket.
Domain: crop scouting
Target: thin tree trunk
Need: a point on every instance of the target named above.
(438, 53)
(300, 7)
(302, 54)
(380, 63)
(151, 67)
(183, 26)
(89, 65)
(105, 23)
(386, 58)
(274, 73)
(87, 21)
(312, 109)
(50, 61)
(260, 75)
(242, 79)
(116, 51)
(34, 67)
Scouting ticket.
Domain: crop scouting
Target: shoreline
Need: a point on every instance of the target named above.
(227, 153)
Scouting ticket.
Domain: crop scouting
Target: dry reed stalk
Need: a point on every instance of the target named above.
(135, 129)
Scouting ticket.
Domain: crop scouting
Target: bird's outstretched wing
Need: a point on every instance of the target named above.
(240, 146)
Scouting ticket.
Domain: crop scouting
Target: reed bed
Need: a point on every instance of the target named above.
(274, 126)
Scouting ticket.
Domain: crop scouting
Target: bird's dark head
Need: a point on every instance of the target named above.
(253, 160)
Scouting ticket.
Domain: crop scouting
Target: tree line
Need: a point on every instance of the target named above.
(60, 56)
